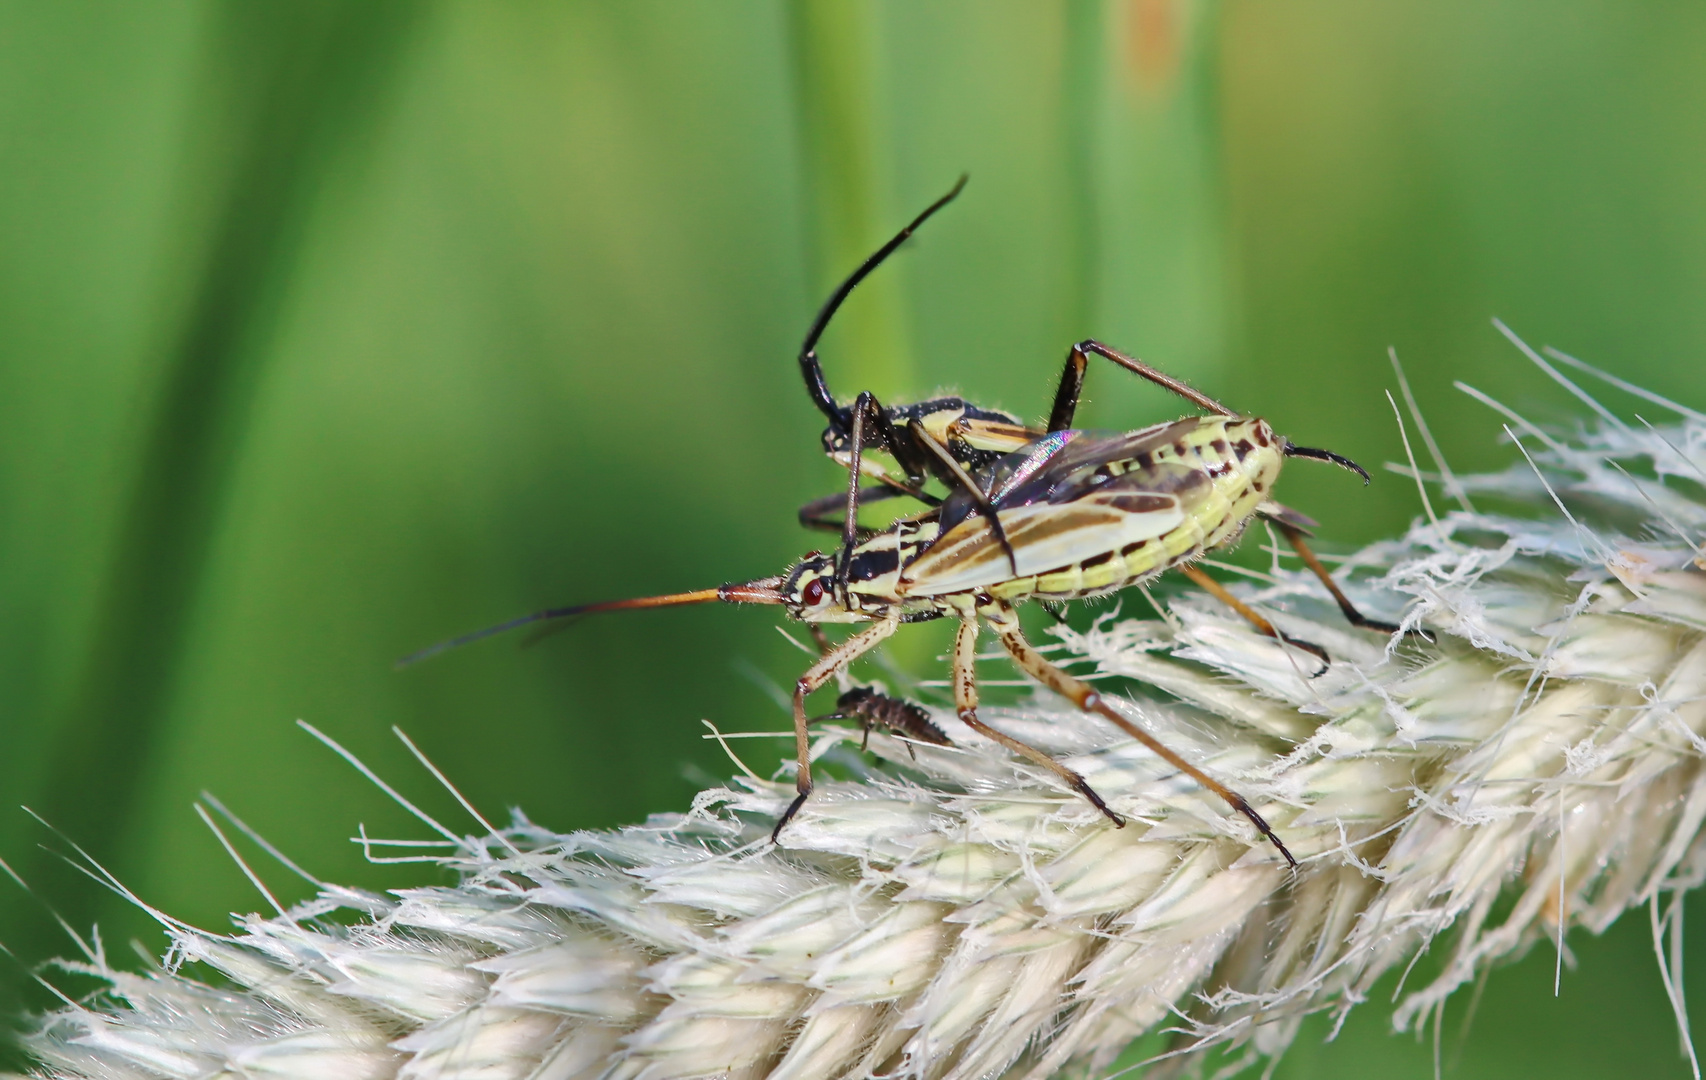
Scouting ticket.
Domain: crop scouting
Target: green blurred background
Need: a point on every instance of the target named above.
(329, 330)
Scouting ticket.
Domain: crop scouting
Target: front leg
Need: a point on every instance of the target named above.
(821, 671)
(1005, 622)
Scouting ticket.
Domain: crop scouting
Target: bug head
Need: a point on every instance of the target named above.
(809, 594)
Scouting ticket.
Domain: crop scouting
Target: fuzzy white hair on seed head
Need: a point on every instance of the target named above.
(954, 912)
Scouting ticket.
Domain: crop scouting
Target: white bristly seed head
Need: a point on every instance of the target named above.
(962, 914)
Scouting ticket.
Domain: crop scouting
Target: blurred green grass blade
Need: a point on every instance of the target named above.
(289, 92)
(842, 125)
(1081, 105)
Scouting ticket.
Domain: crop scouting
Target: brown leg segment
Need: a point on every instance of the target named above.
(818, 674)
(1352, 615)
(1263, 626)
(1006, 625)
(965, 699)
(1155, 375)
(820, 638)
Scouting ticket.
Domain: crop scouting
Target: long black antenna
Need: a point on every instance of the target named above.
(809, 366)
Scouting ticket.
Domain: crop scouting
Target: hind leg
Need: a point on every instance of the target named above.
(1005, 622)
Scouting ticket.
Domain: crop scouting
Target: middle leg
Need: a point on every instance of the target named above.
(965, 700)
(1005, 622)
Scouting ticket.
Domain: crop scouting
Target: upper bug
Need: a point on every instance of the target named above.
(950, 439)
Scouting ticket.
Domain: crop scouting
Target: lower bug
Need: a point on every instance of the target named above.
(1084, 513)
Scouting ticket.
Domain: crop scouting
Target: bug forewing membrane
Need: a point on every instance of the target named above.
(1087, 511)
(1044, 537)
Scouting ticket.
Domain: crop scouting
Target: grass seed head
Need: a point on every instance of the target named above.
(959, 913)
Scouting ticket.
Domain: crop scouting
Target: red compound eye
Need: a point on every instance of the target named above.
(813, 592)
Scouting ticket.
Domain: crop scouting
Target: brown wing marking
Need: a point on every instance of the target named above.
(1045, 537)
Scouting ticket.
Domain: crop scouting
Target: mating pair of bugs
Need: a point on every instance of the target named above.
(1050, 514)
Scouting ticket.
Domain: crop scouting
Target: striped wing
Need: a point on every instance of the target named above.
(1048, 535)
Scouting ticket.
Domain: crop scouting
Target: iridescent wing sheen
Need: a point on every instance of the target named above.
(1097, 515)
(1063, 466)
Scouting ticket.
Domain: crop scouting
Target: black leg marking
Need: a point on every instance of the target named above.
(1311, 648)
(1263, 827)
(1067, 393)
(788, 814)
(1089, 792)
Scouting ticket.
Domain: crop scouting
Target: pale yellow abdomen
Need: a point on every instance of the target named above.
(1241, 459)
